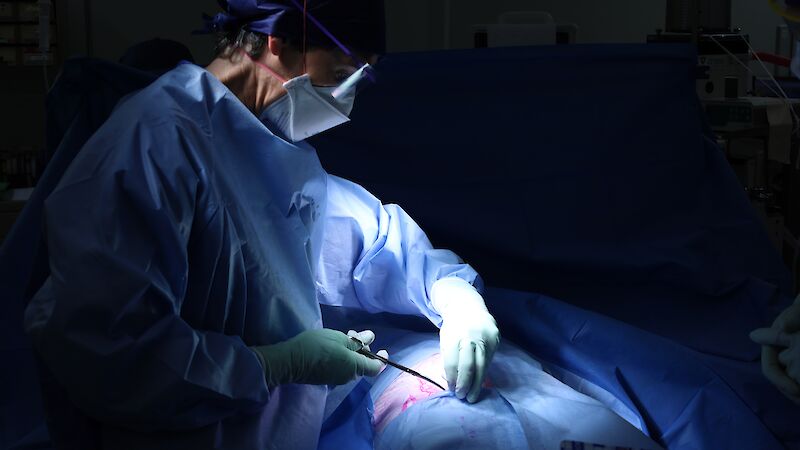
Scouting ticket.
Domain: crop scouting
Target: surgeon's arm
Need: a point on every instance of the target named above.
(376, 258)
(107, 321)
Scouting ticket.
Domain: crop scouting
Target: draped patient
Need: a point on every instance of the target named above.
(521, 406)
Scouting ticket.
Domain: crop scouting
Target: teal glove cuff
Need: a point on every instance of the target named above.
(276, 361)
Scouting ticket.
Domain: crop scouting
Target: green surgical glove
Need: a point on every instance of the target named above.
(317, 357)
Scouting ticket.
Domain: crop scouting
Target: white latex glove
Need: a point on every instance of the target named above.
(468, 337)
(780, 351)
(367, 337)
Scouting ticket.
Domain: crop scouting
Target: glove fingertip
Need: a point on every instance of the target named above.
(375, 368)
(368, 336)
(770, 337)
(451, 376)
(463, 386)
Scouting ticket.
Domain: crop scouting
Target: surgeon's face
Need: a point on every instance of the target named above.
(325, 67)
(332, 67)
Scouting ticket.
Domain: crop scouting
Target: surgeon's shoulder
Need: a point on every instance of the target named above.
(164, 125)
(185, 96)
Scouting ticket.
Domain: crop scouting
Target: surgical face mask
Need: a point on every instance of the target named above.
(307, 110)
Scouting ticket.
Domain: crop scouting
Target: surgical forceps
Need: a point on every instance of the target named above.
(389, 362)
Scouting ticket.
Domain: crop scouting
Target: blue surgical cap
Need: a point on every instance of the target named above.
(358, 24)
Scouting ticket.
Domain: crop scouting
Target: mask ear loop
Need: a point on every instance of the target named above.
(264, 66)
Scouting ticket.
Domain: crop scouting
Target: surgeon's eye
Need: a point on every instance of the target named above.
(342, 75)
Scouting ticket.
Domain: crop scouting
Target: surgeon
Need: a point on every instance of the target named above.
(780, 351)
(195, 234)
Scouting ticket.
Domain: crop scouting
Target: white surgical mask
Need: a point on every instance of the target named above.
(307, 110)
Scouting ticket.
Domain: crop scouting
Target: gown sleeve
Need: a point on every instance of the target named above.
(374, 257)
(107, 321)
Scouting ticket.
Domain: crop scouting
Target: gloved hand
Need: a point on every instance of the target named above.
(468, 337)
(780, 351)
(318, 357)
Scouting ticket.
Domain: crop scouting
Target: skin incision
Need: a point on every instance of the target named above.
(407, 390)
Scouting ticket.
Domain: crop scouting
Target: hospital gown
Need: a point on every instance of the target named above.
(184, 232)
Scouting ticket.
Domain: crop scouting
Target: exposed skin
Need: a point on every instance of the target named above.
(258, 88)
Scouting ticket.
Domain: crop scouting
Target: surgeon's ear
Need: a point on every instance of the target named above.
(276, 45)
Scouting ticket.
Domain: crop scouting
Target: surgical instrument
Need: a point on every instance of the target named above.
(387, 361)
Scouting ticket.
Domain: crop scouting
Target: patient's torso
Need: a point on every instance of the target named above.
(521, 407)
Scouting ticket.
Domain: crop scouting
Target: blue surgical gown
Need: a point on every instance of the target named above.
(185, 231)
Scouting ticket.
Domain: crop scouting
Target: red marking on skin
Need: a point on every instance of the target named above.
(487, 383)
(409, 401)
(391, 403)
(426, 387)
